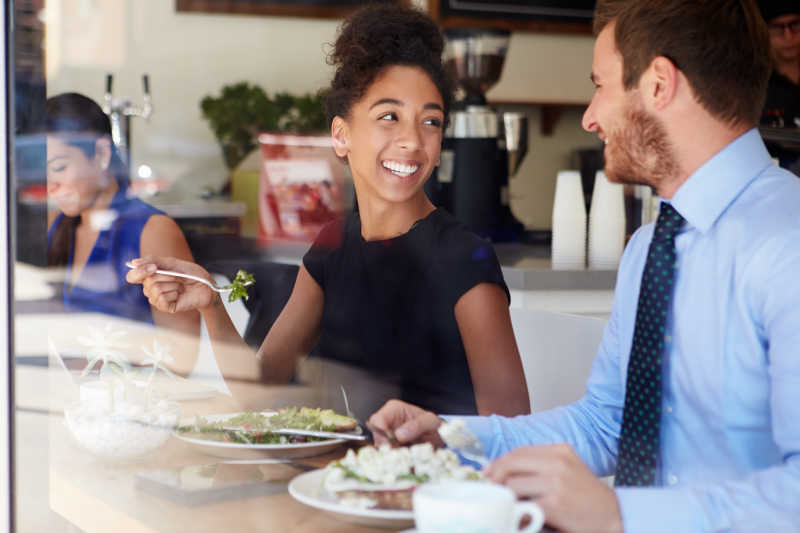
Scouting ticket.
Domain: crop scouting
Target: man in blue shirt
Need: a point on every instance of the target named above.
(715, 378)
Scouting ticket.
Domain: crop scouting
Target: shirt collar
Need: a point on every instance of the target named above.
(703, 198)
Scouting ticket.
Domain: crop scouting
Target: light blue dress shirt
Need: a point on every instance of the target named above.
(730, 428)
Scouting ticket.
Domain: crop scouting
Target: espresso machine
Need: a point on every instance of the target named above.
(481, 147)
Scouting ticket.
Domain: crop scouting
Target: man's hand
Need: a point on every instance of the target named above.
(572, 498)
(407, 423)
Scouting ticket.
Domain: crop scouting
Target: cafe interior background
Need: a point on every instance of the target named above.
(177, 164)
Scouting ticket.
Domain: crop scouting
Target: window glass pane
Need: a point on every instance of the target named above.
(240, 227)
(194, 134)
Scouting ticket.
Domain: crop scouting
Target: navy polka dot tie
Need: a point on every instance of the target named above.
(639, 438)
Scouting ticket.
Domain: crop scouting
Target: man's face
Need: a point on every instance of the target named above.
(784, 37)
(637, 149)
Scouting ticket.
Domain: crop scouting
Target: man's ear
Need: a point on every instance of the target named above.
(340, 134)
(661, 82)
(102, 152)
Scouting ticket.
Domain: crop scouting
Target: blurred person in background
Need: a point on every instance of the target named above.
(97, 225)
(782, 107)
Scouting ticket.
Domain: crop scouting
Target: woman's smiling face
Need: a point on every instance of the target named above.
(74, 180)
(392, 136)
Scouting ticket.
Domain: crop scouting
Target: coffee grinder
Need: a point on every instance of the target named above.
(481, 147)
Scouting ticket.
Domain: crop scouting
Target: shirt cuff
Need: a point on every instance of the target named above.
(656, 510)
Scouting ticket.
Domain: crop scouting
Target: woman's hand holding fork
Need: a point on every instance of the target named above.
(169, 293)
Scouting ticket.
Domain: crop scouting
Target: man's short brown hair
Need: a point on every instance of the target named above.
(721, 46)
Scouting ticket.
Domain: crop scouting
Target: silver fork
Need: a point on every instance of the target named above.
(368, 429)
(210, 285)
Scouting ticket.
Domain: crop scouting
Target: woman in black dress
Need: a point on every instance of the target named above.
(399, 288)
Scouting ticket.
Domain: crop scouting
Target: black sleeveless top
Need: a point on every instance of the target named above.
(389, 304)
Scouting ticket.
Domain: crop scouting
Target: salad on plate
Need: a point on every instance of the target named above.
(258, 427)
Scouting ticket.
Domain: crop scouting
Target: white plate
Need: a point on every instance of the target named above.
(307, 488)
(236, 450)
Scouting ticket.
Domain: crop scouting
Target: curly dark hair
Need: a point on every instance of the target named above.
(375, 38)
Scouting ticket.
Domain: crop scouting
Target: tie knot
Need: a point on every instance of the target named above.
(668, 224)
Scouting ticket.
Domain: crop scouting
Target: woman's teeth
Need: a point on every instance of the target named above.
(400, 169)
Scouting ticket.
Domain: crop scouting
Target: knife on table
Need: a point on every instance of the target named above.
(303, 432)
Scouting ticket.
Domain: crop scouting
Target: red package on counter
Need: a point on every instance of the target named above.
(301, 185)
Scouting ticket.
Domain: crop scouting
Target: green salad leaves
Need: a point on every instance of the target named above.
(255, 428)
(239, 285)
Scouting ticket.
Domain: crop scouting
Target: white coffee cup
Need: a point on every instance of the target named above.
(568, 249)
(606, 239)
(472, 507)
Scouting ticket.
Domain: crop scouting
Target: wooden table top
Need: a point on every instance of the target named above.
(103, 497)
(99, 496)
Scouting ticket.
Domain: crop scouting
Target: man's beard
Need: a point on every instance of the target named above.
(640, 152)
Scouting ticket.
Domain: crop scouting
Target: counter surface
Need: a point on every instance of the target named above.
(525, 267)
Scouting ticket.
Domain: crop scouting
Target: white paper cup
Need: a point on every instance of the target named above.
(568, 248)
(472, 507)
(606, 239)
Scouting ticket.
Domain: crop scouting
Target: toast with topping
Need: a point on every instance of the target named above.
(255, 427)
(385, 478)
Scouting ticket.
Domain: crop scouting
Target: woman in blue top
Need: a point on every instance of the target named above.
(99, 226)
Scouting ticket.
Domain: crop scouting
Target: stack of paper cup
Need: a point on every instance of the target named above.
(569, 223)
(606, 224)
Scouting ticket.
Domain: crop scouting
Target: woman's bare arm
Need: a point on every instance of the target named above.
(294, 332)
(161, 236)
(494, 364)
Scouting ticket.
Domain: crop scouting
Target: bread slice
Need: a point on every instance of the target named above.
(330, 419)
(390, 499)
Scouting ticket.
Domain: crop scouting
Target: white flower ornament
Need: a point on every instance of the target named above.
(104, 345)
(157, 358)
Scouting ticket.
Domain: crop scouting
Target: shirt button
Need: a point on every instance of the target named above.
(668, 409)
(672, 479)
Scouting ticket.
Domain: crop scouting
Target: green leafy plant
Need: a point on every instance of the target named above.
(239, 285)
(242, 111)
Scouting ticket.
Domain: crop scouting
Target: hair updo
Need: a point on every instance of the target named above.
(375, 38)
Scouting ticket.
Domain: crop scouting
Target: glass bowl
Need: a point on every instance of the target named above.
(128, 431)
